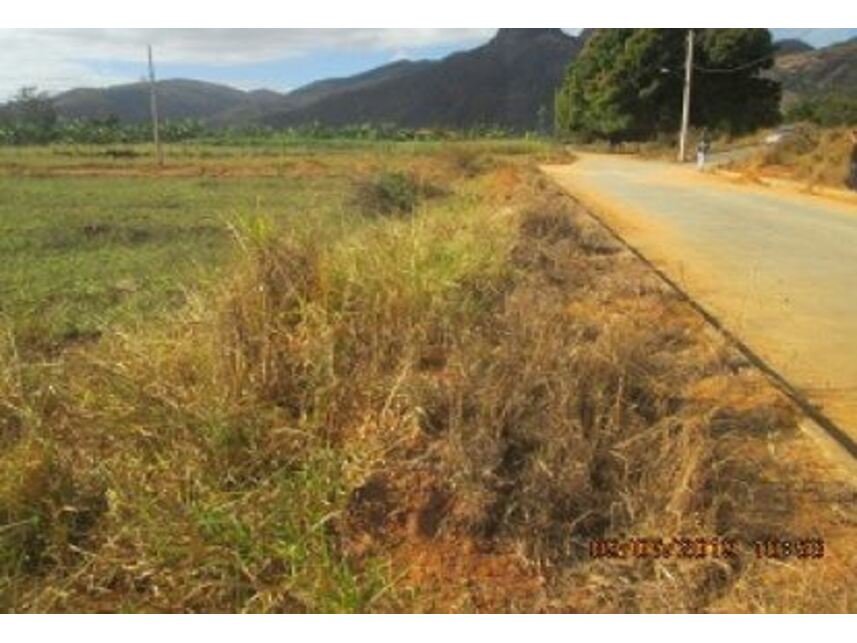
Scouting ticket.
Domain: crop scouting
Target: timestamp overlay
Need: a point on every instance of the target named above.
(701, 547)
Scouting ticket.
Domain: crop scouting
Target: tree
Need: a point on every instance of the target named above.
(30, 115)
(627, 83)
(732, 96)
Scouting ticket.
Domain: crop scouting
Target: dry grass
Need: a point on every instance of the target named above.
(425, 413)
(589, 403)
(812, 155)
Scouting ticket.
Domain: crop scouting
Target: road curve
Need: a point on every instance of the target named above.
(778, 269)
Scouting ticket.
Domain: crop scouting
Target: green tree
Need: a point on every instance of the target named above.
(731, 95)
(627, 83)
(31, 116)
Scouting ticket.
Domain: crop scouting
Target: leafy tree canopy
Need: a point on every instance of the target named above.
(626, 84)
(32, 113)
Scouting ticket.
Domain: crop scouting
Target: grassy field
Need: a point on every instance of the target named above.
(357, 378)
(88, 242)
(81, 254)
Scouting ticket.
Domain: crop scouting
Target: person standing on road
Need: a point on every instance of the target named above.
(852, 174)
(702, 149)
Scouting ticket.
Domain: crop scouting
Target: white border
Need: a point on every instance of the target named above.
(421, 629)
(431, 13)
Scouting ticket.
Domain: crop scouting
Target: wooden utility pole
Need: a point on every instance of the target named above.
(685, 109)
(154, 106)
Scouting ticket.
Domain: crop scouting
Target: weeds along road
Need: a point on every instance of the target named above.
(778, 269)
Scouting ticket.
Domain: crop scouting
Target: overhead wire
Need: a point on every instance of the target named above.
(747, 65)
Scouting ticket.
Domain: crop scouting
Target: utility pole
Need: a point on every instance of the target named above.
(685, 109)
(154, 106)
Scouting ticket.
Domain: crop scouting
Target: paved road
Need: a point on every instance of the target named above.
(779, 269)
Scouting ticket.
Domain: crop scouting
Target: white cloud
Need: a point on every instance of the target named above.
(224, 46)
(52, 76)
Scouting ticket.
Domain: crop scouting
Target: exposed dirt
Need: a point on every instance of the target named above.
(303, 168)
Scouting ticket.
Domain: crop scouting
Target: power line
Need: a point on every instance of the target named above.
(729, 70)
(747, 65)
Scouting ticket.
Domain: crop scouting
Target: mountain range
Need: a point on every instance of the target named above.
(509, 82)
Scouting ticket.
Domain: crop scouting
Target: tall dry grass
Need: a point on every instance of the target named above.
(810, 154)
(185, 466)
(432, 412)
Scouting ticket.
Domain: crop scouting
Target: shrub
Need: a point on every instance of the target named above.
(801, 142)
(392, 193)
(829, 111)
(467, 160)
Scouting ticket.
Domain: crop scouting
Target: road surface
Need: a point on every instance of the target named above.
(778, 269)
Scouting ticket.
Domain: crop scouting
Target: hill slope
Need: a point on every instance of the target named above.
(832, 69)
(177, 98)
(254, 111)
(505, 82)
(792, 46)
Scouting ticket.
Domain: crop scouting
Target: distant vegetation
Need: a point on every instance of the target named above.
(626, 84)
(830, 110)
(30, 119)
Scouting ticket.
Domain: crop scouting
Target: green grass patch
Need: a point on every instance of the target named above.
(83, 253)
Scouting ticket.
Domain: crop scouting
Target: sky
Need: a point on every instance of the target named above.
(280, 59)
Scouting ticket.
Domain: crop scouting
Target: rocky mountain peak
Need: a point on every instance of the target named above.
(515, 38)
